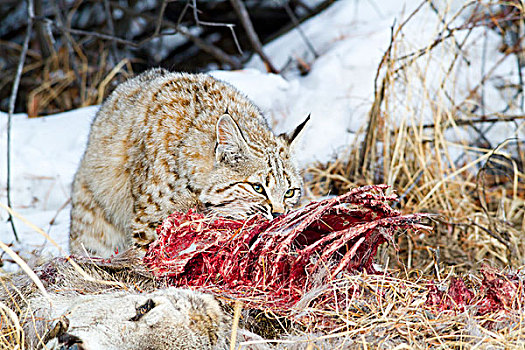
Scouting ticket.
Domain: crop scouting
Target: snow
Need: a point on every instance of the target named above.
(45, 155)
(350, 38)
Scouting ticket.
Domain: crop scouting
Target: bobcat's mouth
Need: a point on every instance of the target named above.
(260, 209)
(237, 211)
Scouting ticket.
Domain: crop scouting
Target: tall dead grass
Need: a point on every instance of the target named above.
(428, 138)
(67, 80)
(444, 163)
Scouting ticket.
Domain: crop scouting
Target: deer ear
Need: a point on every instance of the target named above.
(231, 145)
(295, 134)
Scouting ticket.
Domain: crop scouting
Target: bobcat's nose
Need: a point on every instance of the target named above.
(277, 209)
(275, 214)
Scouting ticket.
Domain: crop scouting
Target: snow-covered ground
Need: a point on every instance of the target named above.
(350, 38)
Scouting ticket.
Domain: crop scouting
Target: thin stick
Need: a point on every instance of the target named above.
(195, 12)
(12, 100)
(26, 269)
(198, 22)
(235, 326)
(104, 36)
(371, 131)
(159, 18)
(297, 26)
(111, 27)
(211, 49)
(445, 25)
(450, 176)
(69, 44)
(483, 119)
(60, 249)
(107, 79)
(16, 323)
(207, 47)
(241, 11)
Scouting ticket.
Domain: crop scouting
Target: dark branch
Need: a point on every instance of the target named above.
(198, 21)
(177, 29)
(161, 15)
(12, 100)
(297, 26)
(211, 49)
(241, 11)
(111, 27)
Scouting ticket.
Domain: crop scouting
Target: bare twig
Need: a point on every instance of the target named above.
(161, 15)
(234, 36)
(373, 114)
(68, 42)
(111, 27)
(216, 52)
(241, 11)
(195, 12)
(483, 65)
(440, 38)
(423, 51)
(516, 38)
(40, 28)
(481, 120)
(442, 20)
(303, 5)
(397, 203)
(183, 13)
(177, 29)
(296, 23)
(12, 100)
(393, 36)
(521, 81)
(480, 85)
(453, 64)
(211, 49)
(199, 22)
(105, 36)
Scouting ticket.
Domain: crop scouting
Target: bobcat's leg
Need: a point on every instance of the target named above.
(144, 227)
(90, 229)
(150, 209)
(154, 203)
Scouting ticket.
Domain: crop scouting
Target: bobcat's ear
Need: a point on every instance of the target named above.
(295, 134)
(231, 145)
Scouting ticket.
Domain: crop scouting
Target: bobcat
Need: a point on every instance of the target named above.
(165, 142)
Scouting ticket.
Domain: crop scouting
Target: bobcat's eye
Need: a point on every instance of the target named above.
(290, 193)
(258, 188)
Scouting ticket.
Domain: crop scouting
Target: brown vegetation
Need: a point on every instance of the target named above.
(78, 51)
(477, 195)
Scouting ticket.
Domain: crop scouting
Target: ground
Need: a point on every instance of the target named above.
(436, 85)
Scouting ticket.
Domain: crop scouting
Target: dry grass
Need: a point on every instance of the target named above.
(478, 191)
(476, 188)
(65, 80)
(12, 336)
(389, 311)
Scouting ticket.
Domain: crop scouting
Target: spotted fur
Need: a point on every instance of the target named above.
(165, 142)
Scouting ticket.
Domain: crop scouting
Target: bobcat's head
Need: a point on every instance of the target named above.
(253, 174)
